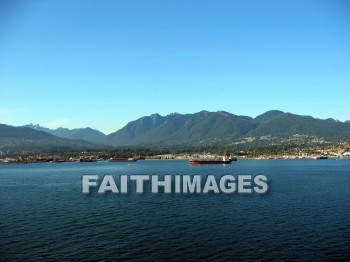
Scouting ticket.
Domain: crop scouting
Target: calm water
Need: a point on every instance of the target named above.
(305, 215)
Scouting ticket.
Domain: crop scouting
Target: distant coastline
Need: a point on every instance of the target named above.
(165, 157)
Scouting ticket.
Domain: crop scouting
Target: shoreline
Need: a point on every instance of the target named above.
(17, 161)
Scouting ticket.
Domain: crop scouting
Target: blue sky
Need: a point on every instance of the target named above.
(104, 63)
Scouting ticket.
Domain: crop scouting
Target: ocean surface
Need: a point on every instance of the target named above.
(304, 216)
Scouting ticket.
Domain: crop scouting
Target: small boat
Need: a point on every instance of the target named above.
(121, 159)
(322, 157)
(210, 161)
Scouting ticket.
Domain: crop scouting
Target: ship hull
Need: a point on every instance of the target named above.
(210, 162)
(87, 160)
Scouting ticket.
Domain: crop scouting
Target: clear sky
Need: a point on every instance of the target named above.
(104, 63)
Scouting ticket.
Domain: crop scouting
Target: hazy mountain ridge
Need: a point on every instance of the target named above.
(22, 139)
(88, 134)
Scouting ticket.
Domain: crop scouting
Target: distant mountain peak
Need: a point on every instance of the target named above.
(33, 125)
(274, 111)
(88, 134)
(333, 120)
(155, 118)
(224, 113)
(269, 115)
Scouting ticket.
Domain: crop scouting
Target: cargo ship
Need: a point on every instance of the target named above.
(121, 159)
(210, 161)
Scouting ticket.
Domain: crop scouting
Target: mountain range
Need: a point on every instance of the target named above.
(88, 134)
(16, 140)
(202, 128)
(224, 128)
